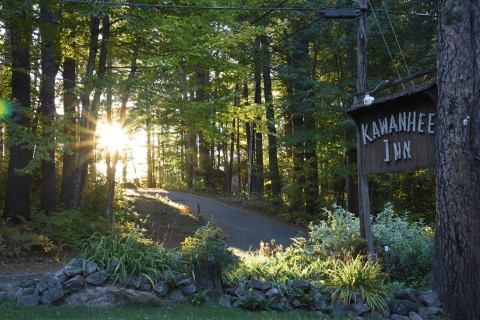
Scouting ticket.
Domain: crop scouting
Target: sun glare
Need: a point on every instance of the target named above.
(113, 138)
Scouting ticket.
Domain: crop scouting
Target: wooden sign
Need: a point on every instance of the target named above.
(396, 133)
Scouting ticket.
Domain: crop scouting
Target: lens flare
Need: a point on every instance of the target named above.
(6, 109)
(113, 138)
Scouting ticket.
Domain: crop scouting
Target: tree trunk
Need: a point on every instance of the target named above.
(208, 276)
(456, 267)
(202, 78)
(49, 18)
(257, 75)
(270, 114)
(81, 151)
(150, 183)
(17, 194)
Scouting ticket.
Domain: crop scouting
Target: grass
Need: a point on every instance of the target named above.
(184, 312)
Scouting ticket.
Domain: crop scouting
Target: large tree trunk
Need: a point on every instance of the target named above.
(456, 267)
(257, 77)
(69, 101)
(17, 194)
(82, 150)
(274, 175)
(49, 18)
(150, 177)
(205, 166)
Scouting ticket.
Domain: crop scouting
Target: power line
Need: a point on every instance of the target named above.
(185, 7)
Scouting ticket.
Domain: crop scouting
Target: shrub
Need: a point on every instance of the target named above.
(135, 255)
(359, 276)
(207, 244)
(411, 246)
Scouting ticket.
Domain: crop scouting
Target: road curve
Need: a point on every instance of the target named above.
(245, 229)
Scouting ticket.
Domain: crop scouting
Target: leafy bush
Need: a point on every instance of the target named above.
(359, 276)
(135, 255)
(207, 244)
(411, 246)
(17, 241)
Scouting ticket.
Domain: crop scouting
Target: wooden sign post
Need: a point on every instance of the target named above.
(394, 133)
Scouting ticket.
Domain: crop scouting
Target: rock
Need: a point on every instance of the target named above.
(178, 296)
(430, 299)
(97, 278)
(74, 284)
(75, 262)
(398, 317)
(414, 316)
(296, 303)
(258, 296)
(89, 268)
(402, 307)
(112, 266)
(377, 315)
(273, 293)
(281, 305)
(404, 294)
(301, 284)
(49, 290)
(189, 290)
(225, 302)
(339, 310)
(29, 300)
(318, 301)
(4, 296)
(361, 309)
(23, 292)
(134, 282)
(429, 311)
(145, 285)
(161, 288)
(240, 291)
(259, 285)
(111, 296)
(72, 271)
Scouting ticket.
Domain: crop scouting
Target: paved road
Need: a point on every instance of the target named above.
(244, 228)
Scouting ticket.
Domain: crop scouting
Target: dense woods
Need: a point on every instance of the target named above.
(242, 103)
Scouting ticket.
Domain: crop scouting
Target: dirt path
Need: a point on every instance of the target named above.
(244, 228)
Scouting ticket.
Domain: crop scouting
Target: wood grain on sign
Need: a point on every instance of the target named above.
(396, 133)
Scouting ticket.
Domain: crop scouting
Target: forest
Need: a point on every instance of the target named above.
(107, 106)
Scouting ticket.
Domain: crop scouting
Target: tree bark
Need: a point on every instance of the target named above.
(50, 11)
(257, 76)
(274, 175)
(456, 267)
(18, 187)
(150, 179)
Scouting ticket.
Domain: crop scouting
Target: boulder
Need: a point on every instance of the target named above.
(89, 268)
(71, 271)
(49, 290)
(74, 284)
(189, 289)
(281, 305)
(145, 285)
(111, 296)
(414, 316)
(4, 296)
(75, 262)
(339, 310)
(402, 307)
(225, 302)
(258, 296)
(273, 293)
(404, 294)
(301, 284)
(398, 317)
(97, 278)
(112, 266)
(29, 300)
(23, 292)
(240, 290)
(134, 282)
(318, 301)
(429, 311)
(360, 309)
(430, 299)
(161, 289)
(259, 285)
(296, 303)
(178, 296)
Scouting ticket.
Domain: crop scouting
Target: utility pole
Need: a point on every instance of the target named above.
(363, 193)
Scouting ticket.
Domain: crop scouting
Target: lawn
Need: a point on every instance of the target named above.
(184, 312)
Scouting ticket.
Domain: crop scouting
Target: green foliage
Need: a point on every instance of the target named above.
(359, 276)
(135, 255)
(207, 243)
(410, 243)
(17, 241)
